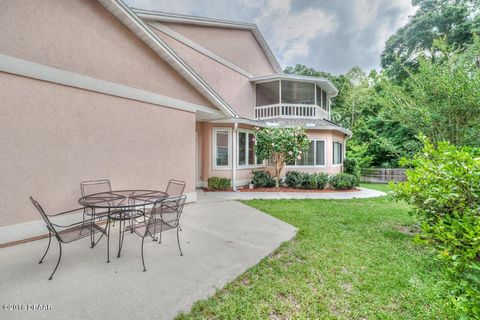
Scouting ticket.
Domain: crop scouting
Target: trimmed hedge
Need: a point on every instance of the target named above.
(216, 183)
(262, 179)
(305, 180)
(343, 181)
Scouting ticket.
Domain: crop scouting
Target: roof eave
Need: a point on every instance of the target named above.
(284, 76)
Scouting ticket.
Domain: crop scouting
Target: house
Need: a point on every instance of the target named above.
(95, 89)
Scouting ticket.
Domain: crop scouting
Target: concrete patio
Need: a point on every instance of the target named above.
(220, 240)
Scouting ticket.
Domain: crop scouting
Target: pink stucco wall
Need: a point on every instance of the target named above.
(235, 45)
(52, 137)
(232, 86)
(83, 37)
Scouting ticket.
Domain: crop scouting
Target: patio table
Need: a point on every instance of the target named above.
(121, 205)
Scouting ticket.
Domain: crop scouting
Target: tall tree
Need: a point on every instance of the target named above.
(457, 20)
(442, 98)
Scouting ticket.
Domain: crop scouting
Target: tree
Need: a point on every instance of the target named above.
(457, 20)
(441, 99)
(280, 145)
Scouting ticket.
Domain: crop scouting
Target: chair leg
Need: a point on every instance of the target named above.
(109, 222)
(48, 246)
(58, 262)
(178, 241)
(160, 236)
(143, 260)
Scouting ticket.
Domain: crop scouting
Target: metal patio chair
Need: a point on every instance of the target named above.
(175, 188)
(65, 233)
(165, 215)
(95, 186)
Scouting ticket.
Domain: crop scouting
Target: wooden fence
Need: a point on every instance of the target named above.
(382, 175)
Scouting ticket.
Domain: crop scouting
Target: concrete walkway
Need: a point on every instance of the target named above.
(221, 239)
(225, 196)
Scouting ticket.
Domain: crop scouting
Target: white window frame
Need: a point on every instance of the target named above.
(342, 152)
(246, 166)
(214, 148)
(314, 156)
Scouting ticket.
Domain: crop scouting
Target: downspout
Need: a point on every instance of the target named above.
(234, 156)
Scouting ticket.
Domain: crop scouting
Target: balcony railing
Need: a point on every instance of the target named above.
(290, 111)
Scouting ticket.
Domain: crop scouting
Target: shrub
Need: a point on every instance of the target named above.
(262, 179)
(293, 179)
(343, 181)
(308, 181)
(322, 180)
(216, 183)
(305, 180)
(350, 166)
(444, 190)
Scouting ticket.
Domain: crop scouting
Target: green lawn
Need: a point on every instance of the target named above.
(376, 186)
(351, 259)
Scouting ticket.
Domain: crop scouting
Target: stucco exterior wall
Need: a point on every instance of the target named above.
(53, 137)
(83, 37)
(232, 86)
(245, 174)
(244, 51)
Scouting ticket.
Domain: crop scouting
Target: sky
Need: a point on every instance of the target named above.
(328, 35)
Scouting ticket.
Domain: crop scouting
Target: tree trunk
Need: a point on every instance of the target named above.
(278, 169)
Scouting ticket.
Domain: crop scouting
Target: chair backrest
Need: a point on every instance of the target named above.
(175, 188)
(44, 216)
(95, 186)
(171, 205)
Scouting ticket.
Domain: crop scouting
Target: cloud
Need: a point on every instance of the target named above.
(291, 32)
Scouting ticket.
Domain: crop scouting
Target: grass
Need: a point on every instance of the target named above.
(351, 259)
(376, 186)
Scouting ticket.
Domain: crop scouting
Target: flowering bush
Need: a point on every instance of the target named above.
(280, 145)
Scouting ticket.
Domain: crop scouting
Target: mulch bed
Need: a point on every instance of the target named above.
(287, 189)
(282, 189)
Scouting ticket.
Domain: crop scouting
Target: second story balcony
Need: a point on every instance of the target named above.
(289, 96)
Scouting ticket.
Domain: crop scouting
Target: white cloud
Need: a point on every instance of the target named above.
(290, 32)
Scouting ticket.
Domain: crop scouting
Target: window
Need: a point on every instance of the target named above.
(246, 149)
(267, 93)
(337, 152)
(308, 158)
(320, 153)
(221, 147)
(298, 92)
(315, 156)
(242, 148)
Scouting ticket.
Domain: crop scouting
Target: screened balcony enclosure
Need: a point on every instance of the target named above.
(291, 99)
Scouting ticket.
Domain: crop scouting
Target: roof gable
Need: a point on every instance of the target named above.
(214, 24)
